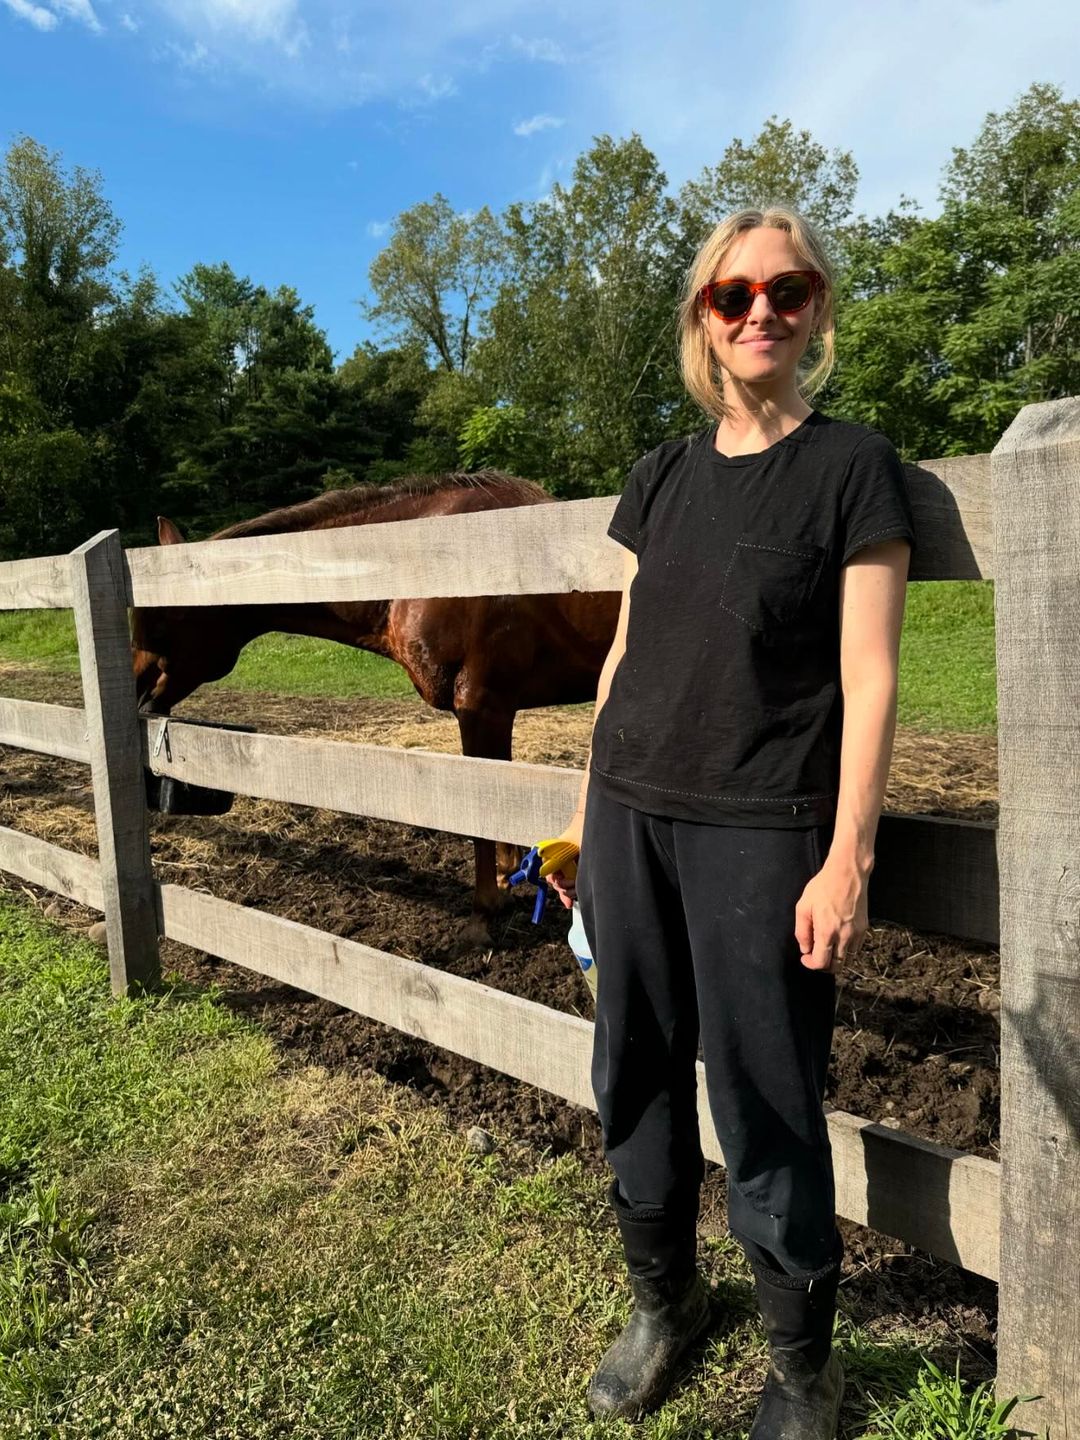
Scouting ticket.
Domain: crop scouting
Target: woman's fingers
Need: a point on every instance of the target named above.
(565, 889)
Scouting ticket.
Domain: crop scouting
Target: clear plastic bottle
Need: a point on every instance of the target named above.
(579, 944)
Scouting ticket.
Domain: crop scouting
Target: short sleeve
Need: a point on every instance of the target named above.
(874, 502)
(625, 523)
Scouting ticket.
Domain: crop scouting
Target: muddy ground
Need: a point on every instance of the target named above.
(917, 1026)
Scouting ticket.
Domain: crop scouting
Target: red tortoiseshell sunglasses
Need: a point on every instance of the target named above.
(732, 300)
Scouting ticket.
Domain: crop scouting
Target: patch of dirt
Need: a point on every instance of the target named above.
(917, 1033)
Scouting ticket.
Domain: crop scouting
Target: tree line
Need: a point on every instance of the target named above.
(541, 340)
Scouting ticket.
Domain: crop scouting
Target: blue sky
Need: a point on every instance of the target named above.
(284, 135)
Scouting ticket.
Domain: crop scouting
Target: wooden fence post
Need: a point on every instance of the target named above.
(1036, 503)
(99, 596)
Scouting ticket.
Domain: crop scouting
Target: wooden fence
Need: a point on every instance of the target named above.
(1013, 516)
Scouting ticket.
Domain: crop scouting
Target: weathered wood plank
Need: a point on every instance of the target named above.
(43, 584)
(949, 1199)
(101, 620)
(48, 729)
(65, 872)
(532, 549)
(931, 873)
(954, 528)
(1036, 486)
(946, 1203)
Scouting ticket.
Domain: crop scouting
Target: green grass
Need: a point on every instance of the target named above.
(947, 663)
(198, 1241)
(284, 664)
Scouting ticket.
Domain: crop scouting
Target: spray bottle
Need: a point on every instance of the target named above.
(543, 860)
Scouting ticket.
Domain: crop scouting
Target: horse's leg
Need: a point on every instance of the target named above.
(489, 733)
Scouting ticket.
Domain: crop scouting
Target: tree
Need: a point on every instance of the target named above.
(582, 341)
(779, 166)
(949, 325)
(434, 275)
(267, 418)
(58, 238)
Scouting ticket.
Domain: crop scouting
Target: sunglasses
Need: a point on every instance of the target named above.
(732, 300)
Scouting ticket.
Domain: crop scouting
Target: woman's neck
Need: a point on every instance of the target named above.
(746, 429)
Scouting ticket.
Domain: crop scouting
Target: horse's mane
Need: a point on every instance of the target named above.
(336, 506)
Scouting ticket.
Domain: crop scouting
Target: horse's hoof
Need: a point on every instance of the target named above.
(474, 935)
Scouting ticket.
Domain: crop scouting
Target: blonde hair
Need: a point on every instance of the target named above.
(700, 372)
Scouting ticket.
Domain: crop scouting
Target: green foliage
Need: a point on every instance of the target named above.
(581, 338)
(433, 276)
(949, 325)
(499, 437)
(777, 167)
(942, 1407)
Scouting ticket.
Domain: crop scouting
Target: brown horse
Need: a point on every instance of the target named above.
(482, 657)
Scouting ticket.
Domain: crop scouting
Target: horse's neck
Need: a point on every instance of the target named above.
(361, 622)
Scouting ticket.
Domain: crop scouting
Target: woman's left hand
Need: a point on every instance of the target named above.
(831, 916)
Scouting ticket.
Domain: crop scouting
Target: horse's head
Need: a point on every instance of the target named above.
(175, 648)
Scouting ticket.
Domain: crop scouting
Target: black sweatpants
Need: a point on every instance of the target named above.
(693, 930)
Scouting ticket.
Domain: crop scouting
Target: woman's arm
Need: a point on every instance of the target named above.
(872, 593)
(831, 918)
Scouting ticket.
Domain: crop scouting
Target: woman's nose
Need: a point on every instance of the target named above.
(761, 309)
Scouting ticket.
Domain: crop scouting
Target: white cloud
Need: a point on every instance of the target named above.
(542, 49)
(80, 10)
(43, 18)
(437, 87)
(375, 228)
(35, 15)
(222, 23)
(128, 23)
(525, 128)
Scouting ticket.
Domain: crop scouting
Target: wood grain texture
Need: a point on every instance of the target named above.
(47, 729)
(1036, 481)
(931, 873)
(112, 727)
(43, 584)
(65, 872)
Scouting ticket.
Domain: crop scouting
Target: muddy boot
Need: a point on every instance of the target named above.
(671, 1310)
(805, 1385)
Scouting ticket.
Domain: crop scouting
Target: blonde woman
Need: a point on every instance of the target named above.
(743, 732)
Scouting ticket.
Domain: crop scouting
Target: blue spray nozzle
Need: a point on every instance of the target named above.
(530, 872)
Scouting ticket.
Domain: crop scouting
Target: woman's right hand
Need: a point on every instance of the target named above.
(564, 888)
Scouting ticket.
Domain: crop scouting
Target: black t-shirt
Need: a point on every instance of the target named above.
(726, 707)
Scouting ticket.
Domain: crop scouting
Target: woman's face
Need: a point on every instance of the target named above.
(764, 346)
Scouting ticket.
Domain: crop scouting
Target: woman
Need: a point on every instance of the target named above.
(744, 726)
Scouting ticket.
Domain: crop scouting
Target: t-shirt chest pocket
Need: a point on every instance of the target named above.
(770, 579)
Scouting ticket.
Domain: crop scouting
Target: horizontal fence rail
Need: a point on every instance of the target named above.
(931, 873)
(928, 1195)
(543, 549)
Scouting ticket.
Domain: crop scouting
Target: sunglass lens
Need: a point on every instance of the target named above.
(731, 300)
(790, 292)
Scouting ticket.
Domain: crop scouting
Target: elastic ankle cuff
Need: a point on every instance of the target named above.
(781, 1280)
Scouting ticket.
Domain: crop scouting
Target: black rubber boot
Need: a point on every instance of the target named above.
(805, 1385)
(671, 1310)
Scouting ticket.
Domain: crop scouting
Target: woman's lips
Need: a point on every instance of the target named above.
(762, 342)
